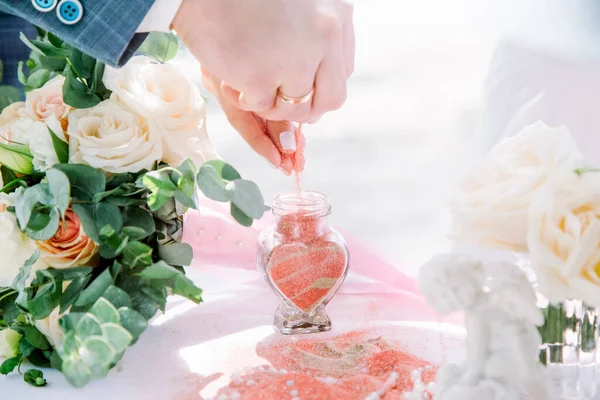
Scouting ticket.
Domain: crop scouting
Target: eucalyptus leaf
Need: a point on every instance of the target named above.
(118, 337)
(46, 49)
(247, 197)
(82, 63)
(76, 373)
(137, 254)
(95, 289)
(33, 336)
(72, 292)
(56, 361)
(185, 287)
(176, 254)
(25, 348)
(224, 170)
(160, 46)
(59, 188)
(77, 94)
(60, 148)
(88, 325)
(133, 321)
(117, 297)
(8, 95)
(85, 180)
(240, 216)
(20, 280)
(37, 79)
(105, 311)
(50, 228)
(212, 184)
(26, 201)
(139, 218)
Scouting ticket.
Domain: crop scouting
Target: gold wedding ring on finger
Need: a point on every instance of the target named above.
(295, 100)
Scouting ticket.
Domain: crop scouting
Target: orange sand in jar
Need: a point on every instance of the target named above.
(309, 267)
(349, 366)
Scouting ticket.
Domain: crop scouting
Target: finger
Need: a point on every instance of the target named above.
(258, 101)
(330, 84)
(230, 94)
(251, 129)
(349, 38)
(296, 88)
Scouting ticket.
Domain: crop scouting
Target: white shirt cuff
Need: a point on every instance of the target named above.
(160, 16)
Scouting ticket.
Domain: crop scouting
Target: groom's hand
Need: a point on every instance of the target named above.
(264, 48)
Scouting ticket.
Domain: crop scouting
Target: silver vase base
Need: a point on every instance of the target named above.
(292, 322)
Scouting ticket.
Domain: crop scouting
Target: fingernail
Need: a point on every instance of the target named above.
(288, 141)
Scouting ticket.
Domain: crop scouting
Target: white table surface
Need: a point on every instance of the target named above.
(191, 342)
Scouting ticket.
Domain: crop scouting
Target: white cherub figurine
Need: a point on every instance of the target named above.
(502, 342)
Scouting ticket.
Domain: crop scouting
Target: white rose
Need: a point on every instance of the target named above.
(113, 138)
(19, 130)
(47, 101)
(15, 246)
(491, 208)
(564, 239)
(169, 98)
(9, 343)
(40, 143)
(50, 328)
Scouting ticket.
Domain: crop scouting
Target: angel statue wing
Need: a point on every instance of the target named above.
(513, 293)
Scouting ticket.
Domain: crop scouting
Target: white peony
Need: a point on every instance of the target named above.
(50, 328)
(564, 239)
(40, 143)
(491, 207)
(15, 246)
(171, 100)
(9, 343)
(112, 138)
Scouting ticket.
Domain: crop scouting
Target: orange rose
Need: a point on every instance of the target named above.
(70, 246)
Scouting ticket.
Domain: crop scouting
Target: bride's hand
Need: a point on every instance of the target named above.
(264, 47)
(279, 142)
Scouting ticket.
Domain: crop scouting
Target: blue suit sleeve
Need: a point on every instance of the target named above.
(106, 30)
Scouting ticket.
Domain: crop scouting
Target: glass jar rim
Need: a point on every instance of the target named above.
(307, 203)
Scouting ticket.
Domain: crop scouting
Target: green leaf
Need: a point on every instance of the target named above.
(21, 74)
(54, 40)
(34, 377)
(56, 361)
(17, 157)
(67, 323)
(9, 365)
(137, 254)
(8, 309)
(72, 292)
(71, 273)
(26, 200)
(59, 188)
(25, 348)
(85, 180)
(83, 64)
(184, 199)
(161, 187)
(88, 325)
(118, 337)
(160, 46)
(20, 280)
(158, 294)
(45, 301)
(46, 49)
(7, 174)
(180, 254)
(239, 216)
(224, 170)
(185, 287)
(95, 217)
(48, 230)
(76, 373)
(159, 270)
(33, 336)
(60, 148)
(93, 292)
(77, 94)
(117, 297)
(8, 95)
(134, 233)
(247, 197)
(38, 358)
(139, 218)
(105, 311)
(37, 79)
(133, 322)
(212, 184)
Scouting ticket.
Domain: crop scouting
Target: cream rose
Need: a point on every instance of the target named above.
(47, 101)
(50, 328)
(112, 138)
(70, 246)
(9, 343)
(564, 239)
(169, 99)
(11, 113)
(15, 246)
(40, 143)
(491, 207)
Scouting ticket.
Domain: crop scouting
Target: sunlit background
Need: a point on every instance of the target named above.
(391, 156)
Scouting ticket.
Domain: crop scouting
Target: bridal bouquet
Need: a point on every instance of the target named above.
(97, 166)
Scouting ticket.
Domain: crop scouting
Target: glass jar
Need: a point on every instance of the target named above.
(303, 259)
(570, 339)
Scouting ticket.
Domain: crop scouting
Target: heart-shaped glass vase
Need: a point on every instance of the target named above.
(304, 260)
